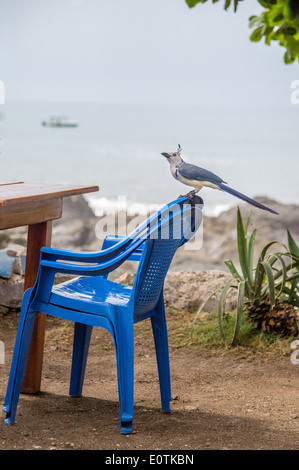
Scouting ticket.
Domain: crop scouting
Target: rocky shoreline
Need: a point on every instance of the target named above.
(193, 273)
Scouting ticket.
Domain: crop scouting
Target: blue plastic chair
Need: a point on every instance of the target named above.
(92, 300)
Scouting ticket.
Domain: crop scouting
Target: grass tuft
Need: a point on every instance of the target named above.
(205, 335)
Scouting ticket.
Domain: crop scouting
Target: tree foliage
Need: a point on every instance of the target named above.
(278, 22)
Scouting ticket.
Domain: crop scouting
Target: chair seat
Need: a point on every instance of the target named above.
(82, 292)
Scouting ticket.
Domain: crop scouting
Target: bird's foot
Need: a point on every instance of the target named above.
(193, 198)
(190, 195)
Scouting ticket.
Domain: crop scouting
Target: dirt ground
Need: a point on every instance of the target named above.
(218, 402)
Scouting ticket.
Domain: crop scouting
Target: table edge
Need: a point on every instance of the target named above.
(76, 190)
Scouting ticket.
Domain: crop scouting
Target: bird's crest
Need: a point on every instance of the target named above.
(179, 150)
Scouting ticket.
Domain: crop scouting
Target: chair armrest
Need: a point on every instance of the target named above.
(95, 269)
(111, 240)
(54, 254)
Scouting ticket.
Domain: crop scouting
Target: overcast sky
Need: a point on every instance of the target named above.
(138, 51)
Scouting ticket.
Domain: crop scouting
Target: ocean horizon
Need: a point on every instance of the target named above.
(118, 147)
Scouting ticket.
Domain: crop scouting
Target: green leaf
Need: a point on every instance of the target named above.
(294, 277)
(278, 18)
(257, 34)
(192, 3)
(281, 273)
(221, 305)
(255, 21)
(259, 272)
(289, 267)
(290, 30)
(271, 285)
(204, 304)
(265, 249)
(293, 247)
(269, 35)
(240, 309)
(251, 253)
(236, 5)
(227, 4)
(233, 269)
(292, 295)
(288, 58)
(242, 246)
(265, 3)
(247, 224)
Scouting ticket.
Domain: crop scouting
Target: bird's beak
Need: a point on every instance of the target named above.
(165, 154)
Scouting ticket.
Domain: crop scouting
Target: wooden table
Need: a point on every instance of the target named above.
(35, 205)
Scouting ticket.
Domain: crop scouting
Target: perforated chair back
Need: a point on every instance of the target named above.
(176, 227)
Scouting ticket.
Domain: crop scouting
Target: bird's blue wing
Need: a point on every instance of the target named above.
(193, 172)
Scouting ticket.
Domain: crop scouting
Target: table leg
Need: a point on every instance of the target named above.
(38, 235)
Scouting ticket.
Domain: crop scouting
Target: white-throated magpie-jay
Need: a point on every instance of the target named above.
(198, 177)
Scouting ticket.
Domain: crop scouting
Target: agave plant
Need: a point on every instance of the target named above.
(268, 292)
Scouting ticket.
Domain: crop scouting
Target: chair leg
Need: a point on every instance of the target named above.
(124, 345)
(162, 353)
(82, 335)
(23, 339)
(16, 352)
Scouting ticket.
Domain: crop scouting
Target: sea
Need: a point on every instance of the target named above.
(118, 147)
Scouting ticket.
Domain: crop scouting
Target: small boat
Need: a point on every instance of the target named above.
(60, 121)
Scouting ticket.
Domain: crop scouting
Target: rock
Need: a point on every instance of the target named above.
(15, 250)
(126, 278)
(6, 264)
(17, 266)
(76, 228)
(3, 310)
(220, 233)
(11, 291)
(11, 236)
(187, 290)
(75, 207)
(75, 235)
(11, 277)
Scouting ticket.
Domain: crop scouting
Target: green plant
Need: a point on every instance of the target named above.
(278, 22)
(268, 292)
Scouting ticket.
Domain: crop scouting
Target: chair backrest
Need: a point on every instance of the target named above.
(173, 228)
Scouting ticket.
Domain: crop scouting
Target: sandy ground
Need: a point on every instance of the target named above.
(218, 402)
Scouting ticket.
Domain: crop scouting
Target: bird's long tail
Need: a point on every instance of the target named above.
(235, 193)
